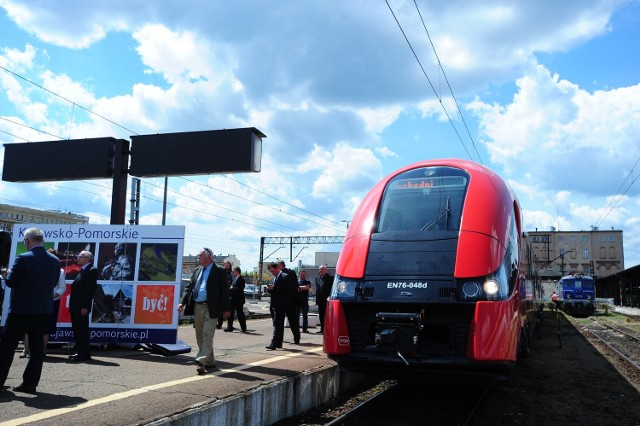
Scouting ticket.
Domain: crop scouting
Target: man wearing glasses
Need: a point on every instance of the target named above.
(206, 297)
(32, 278)
(83, 290)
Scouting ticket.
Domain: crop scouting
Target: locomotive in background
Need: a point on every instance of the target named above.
(577, 294)
(429, 279)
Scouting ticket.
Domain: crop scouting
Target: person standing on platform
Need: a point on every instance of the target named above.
(279, 291)
(292, 312)
(229, 276)
(83, 289)
(32, 278)
(206, 297)
(303, 300)
(237, 301)
(52, 323)
(324, 282)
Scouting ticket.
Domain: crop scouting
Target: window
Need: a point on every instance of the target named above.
(612, 237)
(612, 253)
(572, 238)
(602, 238)
(423, 199)
(585, 254)
(585, 269)
(584, 238)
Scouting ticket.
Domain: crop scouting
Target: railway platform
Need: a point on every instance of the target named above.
(626, 310)
(251, 385)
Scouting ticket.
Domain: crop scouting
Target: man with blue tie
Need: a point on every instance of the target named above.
(206, 297)
(32, 278)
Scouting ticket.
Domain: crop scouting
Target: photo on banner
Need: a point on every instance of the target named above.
(139, 273)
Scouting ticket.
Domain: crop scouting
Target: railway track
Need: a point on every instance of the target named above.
(416, 403)
(626, 345)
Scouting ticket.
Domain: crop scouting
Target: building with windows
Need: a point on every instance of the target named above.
(595, 252)
(190, 262)
(10, 215)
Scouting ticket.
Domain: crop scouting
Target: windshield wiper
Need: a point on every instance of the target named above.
(446, 212)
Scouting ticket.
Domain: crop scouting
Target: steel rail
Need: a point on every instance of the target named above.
(620, 354)
(345, 417)
(619, 330)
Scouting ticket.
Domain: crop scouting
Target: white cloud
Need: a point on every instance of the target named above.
(582, 130)
(346, 170)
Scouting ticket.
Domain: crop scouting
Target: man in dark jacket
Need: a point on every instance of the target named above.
(292, 311)
(206, 297)
(279, 291)
(324, 282)
(32, 278)
(83, 289)
(228, 273)
(237, 301)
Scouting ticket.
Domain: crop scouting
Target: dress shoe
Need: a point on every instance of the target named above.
(271, 347)
(229, 329)
(319, 332)
(296, 342)
(201, 370)
(245, 331)
(305, 331)
(79, 358)
(25, 389)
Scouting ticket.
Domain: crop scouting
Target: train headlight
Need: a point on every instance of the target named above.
(471, 289)
(344, 288)
(491, 287)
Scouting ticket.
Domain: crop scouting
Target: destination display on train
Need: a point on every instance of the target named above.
(431, 182)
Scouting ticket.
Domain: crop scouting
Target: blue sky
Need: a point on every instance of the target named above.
(549, 92)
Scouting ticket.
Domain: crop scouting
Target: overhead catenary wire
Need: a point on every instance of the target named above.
(259, 203)
(74, 104)
(68, 100)
(447, 80)
(415, 55)
(28, 127)
(616, 199)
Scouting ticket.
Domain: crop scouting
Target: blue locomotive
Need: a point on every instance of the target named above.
(577, 294)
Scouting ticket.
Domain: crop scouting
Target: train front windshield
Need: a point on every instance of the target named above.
(424, 199)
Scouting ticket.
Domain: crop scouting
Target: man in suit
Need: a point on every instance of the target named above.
(279, 291)
(32, 278)
(237, 301)
(226, 265)
(324, 282)
(83, 289)
(292, 311)
(206, 297)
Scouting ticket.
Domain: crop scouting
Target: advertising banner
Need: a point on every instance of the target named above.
(139, 273)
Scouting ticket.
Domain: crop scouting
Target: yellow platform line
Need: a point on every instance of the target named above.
(118, 396)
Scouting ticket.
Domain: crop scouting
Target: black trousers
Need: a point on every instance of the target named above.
(16, 327)
(294, 323)
(321, 309)
(80, 325)
(277, 316)
(241, 318)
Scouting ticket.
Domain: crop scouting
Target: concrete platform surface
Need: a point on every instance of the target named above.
(123, 387)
